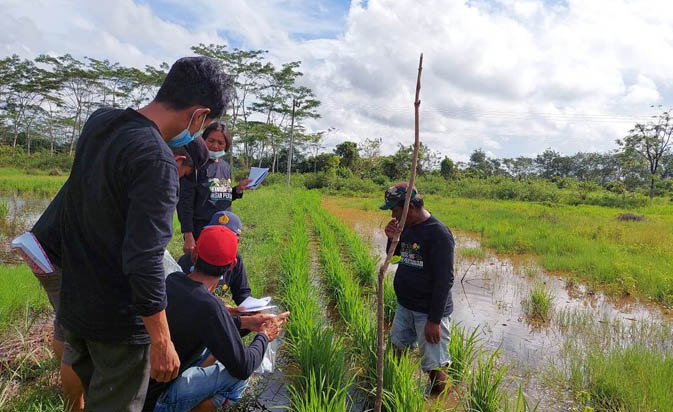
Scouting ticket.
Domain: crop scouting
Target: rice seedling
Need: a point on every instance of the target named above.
(315, 347)
(403, 391)
(389, 299)
(4, 209)
(20, 291)
(472, 253)
(485, 392)
(463, 346)
(363, 261)
(319, 396)
(538, 304)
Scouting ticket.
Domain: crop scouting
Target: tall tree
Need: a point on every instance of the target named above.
(349, 154)
(651, 141)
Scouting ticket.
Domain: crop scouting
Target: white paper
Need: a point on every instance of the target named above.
(170, 265)
(262, 309)
(257, 175)
(253, 303)
(31, 247)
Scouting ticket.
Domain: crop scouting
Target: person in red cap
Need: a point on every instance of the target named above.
(199, 324)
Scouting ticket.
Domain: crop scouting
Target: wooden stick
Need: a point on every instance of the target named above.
(391, 250)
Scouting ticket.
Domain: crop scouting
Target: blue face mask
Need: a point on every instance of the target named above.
(184, 137)
(216, 155)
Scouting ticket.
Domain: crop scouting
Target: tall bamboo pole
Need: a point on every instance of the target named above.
(393, 245)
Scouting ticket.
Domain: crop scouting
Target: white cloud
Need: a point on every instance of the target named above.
(511, 76)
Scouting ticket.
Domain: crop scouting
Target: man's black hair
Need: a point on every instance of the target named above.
(210, 270)
(193, 81)
(182, 151)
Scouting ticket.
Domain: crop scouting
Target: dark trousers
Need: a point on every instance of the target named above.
(115, 376)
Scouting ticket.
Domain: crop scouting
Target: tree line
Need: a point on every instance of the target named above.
(45, 101)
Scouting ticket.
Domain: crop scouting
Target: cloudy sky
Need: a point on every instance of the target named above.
(510, 76)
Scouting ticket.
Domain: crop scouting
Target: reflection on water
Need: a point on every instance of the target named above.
(487, 293)
(22, 214)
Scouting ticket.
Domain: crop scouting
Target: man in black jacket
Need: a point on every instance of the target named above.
(198, 320)
(116, 221)
(422, 283)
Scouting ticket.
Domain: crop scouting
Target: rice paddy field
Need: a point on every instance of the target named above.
(557, 307)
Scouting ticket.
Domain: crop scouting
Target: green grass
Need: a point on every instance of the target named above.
(463, 347)
(389, 298)
(19, 291)
(263, 234)
(472, 253)
(586, 241)
(19, 182)
(538, 305)
(632, 378)
(485, 388)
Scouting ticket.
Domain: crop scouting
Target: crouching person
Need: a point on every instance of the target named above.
(216, 363)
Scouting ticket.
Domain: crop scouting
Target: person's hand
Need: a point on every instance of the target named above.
(236, 310)
(391, 228)
(255, 322)
(164, 361)
(273, 327)
(243, 185)
(432, 332)
(189, 245)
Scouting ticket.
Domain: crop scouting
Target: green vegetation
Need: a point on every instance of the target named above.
(19, 182)
(633, 378)
(589, 242)
(538, 305)
(20, 293)
(315, 347)
(463, 348)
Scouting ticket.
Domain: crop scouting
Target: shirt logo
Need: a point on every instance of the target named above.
(410, 255)
(220, 189)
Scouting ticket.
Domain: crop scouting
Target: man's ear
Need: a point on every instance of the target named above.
(179, 159)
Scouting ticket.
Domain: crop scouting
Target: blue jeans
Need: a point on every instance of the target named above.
(196, 384)
(408, 330)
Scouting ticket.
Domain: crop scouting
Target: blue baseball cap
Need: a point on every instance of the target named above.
(228, 219)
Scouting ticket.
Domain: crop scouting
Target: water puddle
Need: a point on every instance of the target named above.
(22, 213)
(490, 296)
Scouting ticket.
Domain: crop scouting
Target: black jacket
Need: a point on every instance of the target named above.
(116, 221)
(213, 192)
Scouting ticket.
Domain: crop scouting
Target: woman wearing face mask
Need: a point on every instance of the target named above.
(212, 192)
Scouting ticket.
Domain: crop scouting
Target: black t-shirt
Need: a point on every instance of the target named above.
(47, 229)
(235, 280)
(424, 275)
(116, 221)
(197, 319)
(212, 192)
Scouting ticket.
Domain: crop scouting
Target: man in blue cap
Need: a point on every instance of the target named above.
(422, 283)
(236, 279)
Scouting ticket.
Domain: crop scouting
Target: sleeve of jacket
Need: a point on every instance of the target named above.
(222, 338)
(186, 205)
(152, 197)
(441, 265)
(240, 288)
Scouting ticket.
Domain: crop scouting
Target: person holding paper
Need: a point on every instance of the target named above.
(200, 324)
(212, 192)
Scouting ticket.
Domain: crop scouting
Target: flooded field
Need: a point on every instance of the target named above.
(488, 293)
(22, 213)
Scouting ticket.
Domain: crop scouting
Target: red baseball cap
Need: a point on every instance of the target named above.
(217, 246)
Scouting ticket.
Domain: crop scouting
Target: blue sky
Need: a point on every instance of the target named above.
(513, 77)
